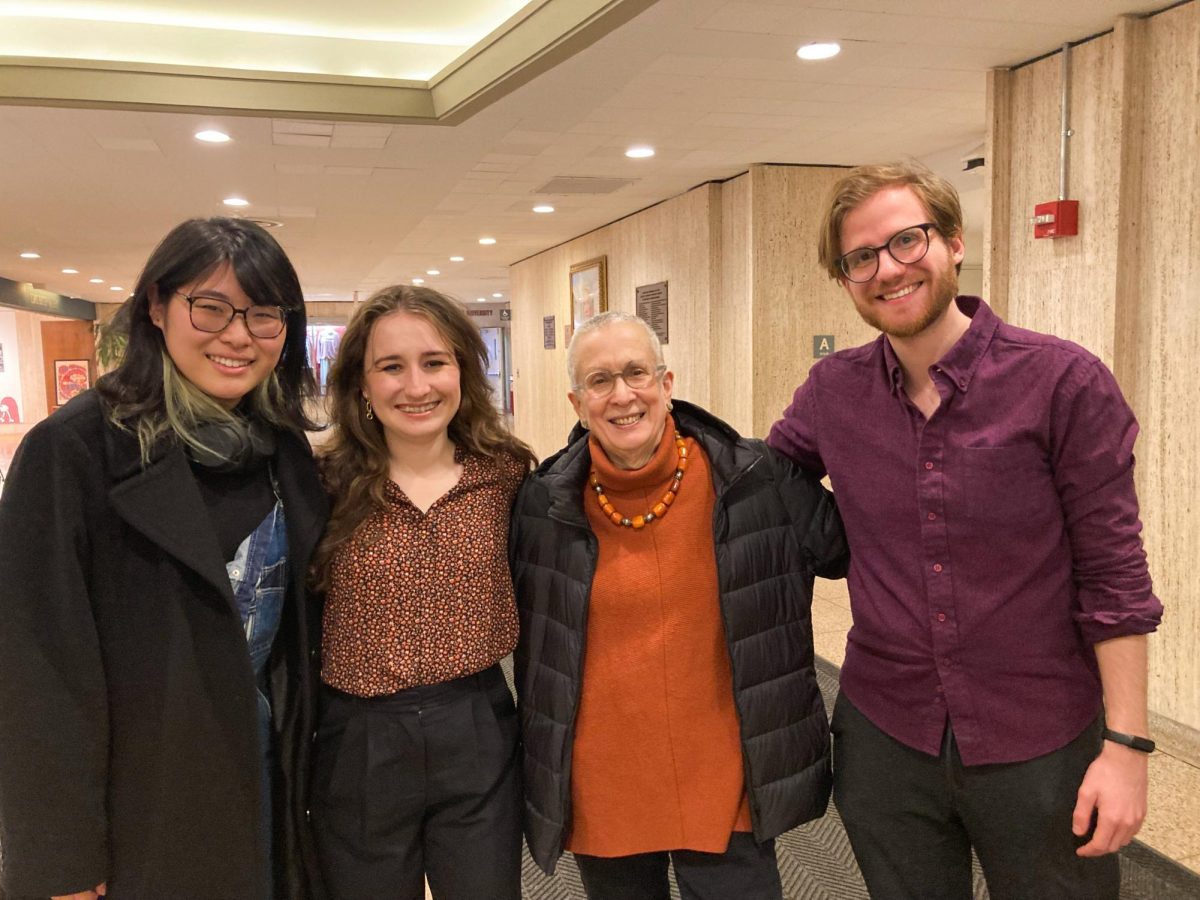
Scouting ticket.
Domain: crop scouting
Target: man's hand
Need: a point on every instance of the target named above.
(98, 891)
(1114, 789)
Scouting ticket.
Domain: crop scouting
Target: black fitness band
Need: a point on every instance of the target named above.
(1145, 745)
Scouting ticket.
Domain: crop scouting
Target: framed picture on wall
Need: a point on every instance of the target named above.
(71, 377)
(589, 290)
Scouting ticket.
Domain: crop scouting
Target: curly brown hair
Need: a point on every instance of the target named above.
(354, 462)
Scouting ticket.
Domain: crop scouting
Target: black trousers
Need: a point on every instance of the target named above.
(421, 783)
(913, 818)
(745, 871)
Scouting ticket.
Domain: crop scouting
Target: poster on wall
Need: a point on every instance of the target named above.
(71, 378)
(11, 398)
(589, 290)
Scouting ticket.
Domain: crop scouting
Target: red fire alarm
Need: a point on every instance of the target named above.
(1058, 218)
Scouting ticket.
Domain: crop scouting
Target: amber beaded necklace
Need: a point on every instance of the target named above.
(660, 508)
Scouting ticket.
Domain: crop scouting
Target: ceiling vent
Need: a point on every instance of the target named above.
(566, 184)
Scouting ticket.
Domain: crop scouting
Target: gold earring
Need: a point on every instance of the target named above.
(670, 406)
(370, 412)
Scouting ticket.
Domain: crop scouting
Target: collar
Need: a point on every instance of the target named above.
(659, 468)
(962, 360)
(478, 470)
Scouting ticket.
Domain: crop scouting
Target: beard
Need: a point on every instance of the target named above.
(943, 291)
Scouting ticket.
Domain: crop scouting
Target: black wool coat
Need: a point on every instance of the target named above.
(773, 528)
(128, 723)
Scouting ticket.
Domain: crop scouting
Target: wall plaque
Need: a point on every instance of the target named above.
(652, 307)
(548, 332)
(822, 345)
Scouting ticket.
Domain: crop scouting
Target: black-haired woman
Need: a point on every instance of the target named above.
(156, 698)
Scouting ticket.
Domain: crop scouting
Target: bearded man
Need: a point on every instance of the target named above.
(993, 694)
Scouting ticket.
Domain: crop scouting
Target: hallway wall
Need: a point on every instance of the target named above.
(1128, 287)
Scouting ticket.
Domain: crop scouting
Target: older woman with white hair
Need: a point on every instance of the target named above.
(669, 706)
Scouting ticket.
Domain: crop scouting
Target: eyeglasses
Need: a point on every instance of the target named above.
(907, 246)
(635, 375)
(213, 315)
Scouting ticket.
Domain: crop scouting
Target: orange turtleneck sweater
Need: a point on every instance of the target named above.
(657, 758)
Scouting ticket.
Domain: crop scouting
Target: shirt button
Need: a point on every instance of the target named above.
(941, 617)
(937, 567)
(947, 661)
(931, 516)
(939, 689)
(928, 465)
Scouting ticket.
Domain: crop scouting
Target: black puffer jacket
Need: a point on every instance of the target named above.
(773, 528)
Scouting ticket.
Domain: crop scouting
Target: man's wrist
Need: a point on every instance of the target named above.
(1133, 741)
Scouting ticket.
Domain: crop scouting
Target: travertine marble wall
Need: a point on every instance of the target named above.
(1128, 287)
(793, 298)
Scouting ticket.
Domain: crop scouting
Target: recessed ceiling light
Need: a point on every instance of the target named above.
(481, 299)
(457, 258)
(418, 281)
(30, 254)
(497, 296)
(116, 288)
(433, 271)
(487, 241)
(236, 201)
(543, 208)
(70, 271)
(639, 152)
(212, 136)
(820, 50)
(96, 280)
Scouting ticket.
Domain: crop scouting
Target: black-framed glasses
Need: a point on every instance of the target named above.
(635, 375)
(907, 246)
(213, 315)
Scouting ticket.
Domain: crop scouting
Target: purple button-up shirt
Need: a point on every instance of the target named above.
(992, 544)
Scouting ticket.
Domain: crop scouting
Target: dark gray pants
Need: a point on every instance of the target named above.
(424, 782)
(913, 818)
(746, 870)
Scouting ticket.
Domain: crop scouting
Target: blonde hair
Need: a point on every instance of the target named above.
(936, 194)
(186, 408)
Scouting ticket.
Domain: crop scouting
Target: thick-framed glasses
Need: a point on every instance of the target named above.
(636, 376)
(213, 315)
(907, 246)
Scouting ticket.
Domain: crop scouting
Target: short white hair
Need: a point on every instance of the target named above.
(604, 320)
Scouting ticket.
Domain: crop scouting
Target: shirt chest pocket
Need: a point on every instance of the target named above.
(1004, 486)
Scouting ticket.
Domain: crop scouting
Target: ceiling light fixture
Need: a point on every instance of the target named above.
(819, 50)
(116, 288)
(487, 241)
(640, 152)
(70, 271)
(418, 281)
(457, 258)
(497, 296)
(481, 299)
(543, 208)
(212, 136)
(433, 271)
(236, 201)
(30, 254)
(96, 280)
